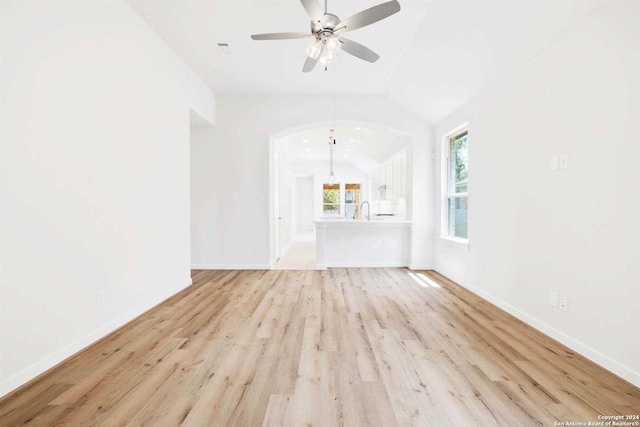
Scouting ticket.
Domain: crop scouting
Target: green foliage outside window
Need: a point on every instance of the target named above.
(331, 196)
(459, 163)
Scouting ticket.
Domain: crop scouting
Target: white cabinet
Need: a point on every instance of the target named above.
(390, 179)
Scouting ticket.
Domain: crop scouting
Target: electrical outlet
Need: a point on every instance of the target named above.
(563, 161)
(100, 297)
(482, 270)
(553, 163)
(563, 302)
(553, 298)
(246, 251)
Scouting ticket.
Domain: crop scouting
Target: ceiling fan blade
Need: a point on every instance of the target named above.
(314, 9)
(358, 50)
(310, 63)
(369, 16)
(280, 36)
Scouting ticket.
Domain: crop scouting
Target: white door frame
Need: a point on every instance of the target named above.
(276, 213)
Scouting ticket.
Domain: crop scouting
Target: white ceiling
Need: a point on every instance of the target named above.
(463, 45)
(363, 148)
(193, 27)
(435, 54)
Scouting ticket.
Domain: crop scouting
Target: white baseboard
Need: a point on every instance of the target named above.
(231, 267)
(355, 264)
(48, 362)
(595, 356)
(420, 267)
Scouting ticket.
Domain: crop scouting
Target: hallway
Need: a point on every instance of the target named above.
(300, 254)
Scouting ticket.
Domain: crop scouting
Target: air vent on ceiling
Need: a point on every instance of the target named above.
(224, 48)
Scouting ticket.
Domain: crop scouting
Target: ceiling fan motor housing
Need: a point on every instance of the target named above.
(325, 27)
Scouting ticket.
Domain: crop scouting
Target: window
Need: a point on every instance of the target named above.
(455, 179)
(331, 199)
(351, 200)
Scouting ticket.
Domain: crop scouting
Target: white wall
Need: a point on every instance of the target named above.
(94, 176)
(304, 198)
(574, 231)
(235, 216)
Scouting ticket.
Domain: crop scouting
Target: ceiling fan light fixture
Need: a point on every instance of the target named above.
(328, 57)
(325, 25)
(333, 44)
(314, 49)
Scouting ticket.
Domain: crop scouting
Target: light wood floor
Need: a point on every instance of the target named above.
(300, 254)
(339, 347)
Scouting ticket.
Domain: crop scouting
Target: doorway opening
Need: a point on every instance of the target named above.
(300, 252)
(371, 164)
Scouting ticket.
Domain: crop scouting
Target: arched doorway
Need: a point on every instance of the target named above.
(367, 158)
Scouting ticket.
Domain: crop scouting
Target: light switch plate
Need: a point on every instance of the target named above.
(563, 161)
(553, 163)
(563, 302)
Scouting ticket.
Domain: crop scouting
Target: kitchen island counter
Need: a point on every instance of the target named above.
(362, 243)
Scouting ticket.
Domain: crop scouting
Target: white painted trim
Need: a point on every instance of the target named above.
(48, 362)
(420, 267)
(231, 267)
(380, 264)
(444, 178)
(455, 243)
(575, 345)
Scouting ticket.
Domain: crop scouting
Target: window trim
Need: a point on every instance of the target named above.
(339, 204)
(444, 189)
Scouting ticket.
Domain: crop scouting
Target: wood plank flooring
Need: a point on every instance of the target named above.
(350, 347)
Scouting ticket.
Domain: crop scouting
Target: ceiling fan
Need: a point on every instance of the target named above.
(327, 29)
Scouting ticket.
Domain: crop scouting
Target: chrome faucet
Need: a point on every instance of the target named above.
(368, 210)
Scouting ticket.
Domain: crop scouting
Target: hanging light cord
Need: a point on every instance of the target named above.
(332, 137)
(333, 134)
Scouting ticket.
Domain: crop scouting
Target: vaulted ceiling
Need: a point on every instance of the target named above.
(436, 55)
(363, 148)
